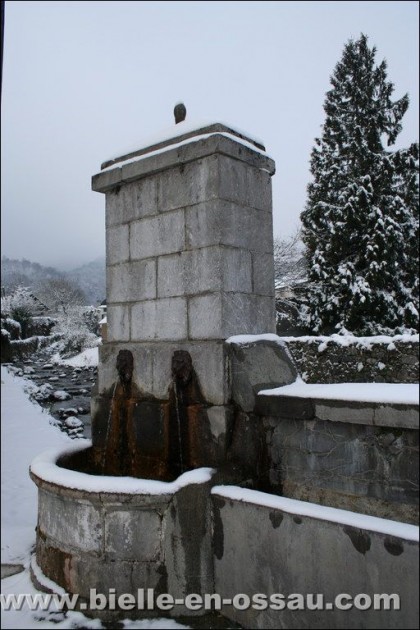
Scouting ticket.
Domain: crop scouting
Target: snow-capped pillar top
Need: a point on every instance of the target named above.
(181, 144)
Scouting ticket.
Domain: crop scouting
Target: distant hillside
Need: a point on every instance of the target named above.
(90, 277)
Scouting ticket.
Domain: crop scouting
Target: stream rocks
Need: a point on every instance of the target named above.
(61, 389)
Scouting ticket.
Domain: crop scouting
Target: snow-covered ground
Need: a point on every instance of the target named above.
(27, 431)
(87, 358)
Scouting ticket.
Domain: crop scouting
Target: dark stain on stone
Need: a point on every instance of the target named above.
(56, 564)
(360, 539)
(193, 515)
(162, 585)
(276, 519)
(297, 520)
(218, 537)
(393, 546)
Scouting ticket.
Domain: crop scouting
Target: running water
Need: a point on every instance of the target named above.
(108, 428)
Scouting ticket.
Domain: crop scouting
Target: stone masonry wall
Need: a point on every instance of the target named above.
(364, 360)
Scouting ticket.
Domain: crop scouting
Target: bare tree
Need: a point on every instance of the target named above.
(60, 295)
(289, 260)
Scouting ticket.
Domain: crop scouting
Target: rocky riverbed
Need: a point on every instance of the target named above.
(63, 390)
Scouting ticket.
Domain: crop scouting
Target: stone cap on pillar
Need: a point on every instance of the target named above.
(183, 143)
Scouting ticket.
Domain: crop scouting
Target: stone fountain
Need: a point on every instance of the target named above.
(189, 261)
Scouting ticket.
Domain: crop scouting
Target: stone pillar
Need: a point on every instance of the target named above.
(189, 258)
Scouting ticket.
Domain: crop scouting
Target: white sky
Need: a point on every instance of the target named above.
(82, 80)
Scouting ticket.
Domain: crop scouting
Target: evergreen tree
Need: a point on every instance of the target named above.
(360, 224)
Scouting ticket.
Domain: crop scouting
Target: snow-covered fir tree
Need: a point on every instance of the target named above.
(360, 224)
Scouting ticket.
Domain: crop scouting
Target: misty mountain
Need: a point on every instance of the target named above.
(89, 277)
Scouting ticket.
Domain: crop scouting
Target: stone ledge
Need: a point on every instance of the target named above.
(151, 164)
(368, 413)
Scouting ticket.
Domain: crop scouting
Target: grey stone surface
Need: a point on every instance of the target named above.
(386, 415)
(263, 274)
(163, 319)
(186, 185)
(117, 249)
(246, 186)
(221, 222)
(71, 524)
(201, 148)
(118, 323)
(221, 315)
(264, 550)
(255, 366)
(158, 235)
(130, 282)
(352, 466)
(133, 535)
(131, 201)
(204, 270)
(345, 411)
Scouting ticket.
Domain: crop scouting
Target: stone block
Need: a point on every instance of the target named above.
(258, 188)
(122, 575)
(119, 205)
(118, 323)
(155, 236)
(263, 274)
(132, 281)
(205, 270)
(106, 180)
(71, 524)
(404, 416)
(221, 315)
(256, 366)
(219, 269)
(117, 244)
(220, 222)
(172, 274)
(285, 407)
(133, 535)
(247, 314)
(188, 184)
(205, 317)
(233, 180)
(159, 319)
(354, 412)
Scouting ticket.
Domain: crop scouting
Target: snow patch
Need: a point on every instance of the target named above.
(334, 515)
(179, 130)
(87, 358)
(392, 393)
(243, 340)
(44, 466)
(348, 340)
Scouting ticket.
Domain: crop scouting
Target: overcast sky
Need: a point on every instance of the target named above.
(84, 80)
